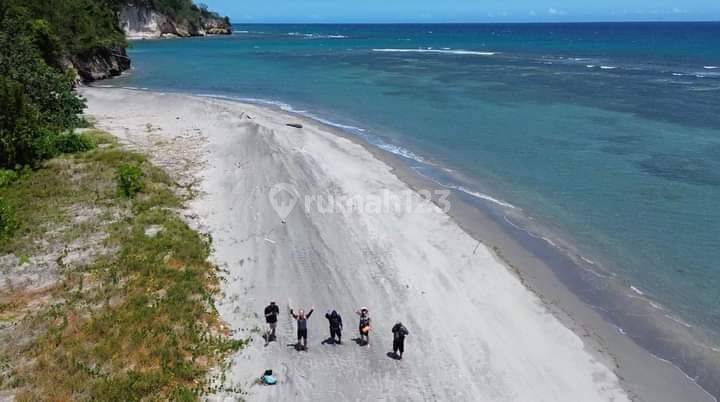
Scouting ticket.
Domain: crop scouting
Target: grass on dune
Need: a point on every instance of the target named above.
(137, 322)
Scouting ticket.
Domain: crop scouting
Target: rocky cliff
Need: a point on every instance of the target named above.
(144, 22)
(100, 64)
(140, 22)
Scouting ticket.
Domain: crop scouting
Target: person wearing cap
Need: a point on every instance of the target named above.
(364, 325)
(271, 314)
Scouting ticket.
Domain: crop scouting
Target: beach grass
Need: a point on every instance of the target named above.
(134, 322)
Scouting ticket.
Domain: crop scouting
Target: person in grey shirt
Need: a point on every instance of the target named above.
(301, 319)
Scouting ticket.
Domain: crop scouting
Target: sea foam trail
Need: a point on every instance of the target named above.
(438, 51)
(482, 196)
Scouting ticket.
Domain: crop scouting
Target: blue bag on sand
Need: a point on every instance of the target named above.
(269, 380)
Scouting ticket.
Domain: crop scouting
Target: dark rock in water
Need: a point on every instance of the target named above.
(101, 63)
(296, 125)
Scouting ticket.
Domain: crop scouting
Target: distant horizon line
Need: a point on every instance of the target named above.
(235, 21)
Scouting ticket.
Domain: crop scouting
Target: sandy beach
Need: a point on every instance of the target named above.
(476, 332)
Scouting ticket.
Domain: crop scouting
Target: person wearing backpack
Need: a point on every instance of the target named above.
(399, 333)
(335, 321)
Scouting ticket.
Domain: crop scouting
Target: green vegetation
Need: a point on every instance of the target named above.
(7, 177)
(37, 101)
(8, 223)
(136, 322)
(131, 179)
(39, 41)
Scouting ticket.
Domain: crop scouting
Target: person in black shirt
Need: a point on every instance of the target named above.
(301, 319)
(399, 333)
(271, 314)
(335, 326)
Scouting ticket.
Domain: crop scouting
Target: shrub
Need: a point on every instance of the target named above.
(36, 95)
(73, 143)
(8, 224)
(130, 177)
(7, 177)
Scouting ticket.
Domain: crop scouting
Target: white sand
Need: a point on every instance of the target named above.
(476, 333)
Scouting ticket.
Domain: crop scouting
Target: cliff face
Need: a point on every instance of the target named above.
(140, 22)
(100, 64)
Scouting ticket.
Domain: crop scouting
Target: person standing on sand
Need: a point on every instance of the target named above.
(335, 326)
(271, 314)
(301, 319)
(399, 333)
(364, 326)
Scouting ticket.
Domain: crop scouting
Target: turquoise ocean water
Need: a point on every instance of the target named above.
(606, 135)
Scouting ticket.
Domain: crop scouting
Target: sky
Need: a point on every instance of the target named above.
(343, 11)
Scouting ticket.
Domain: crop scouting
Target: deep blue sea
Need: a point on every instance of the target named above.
(606, 135)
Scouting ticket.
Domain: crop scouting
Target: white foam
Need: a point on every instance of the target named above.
(268, 102)
(332, 123)
(710, 67)
(589, 261)
(316, 36)
(655, 305)
(590, 66)
(679, 321)
(483, 197)
(636, 290)
(397, 150)
(608, 67)
(592, 271)
(288, 108)
(438, 51)
(550, 242)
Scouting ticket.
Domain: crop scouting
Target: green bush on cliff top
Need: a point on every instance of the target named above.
(38, 106)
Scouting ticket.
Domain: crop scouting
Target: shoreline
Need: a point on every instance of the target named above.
(559, 284)
(641, 373)
(609, 304)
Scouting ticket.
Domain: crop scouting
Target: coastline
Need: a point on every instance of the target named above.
(641, 374)
(611, 309)
(558, 274)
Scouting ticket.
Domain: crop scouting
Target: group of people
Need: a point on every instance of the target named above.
(336, 327)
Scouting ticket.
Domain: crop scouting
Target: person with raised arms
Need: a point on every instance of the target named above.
(301, 319)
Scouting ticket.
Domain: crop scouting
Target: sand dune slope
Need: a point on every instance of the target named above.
(476, 333)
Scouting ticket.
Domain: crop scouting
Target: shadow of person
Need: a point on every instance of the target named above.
(297, 346)
(393, 356)
(329, 341)
(360, 341)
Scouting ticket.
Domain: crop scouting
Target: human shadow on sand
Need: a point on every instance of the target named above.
(360, 342)
(394, 356)
(298, 347)
(269, 338)
(330, 341)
